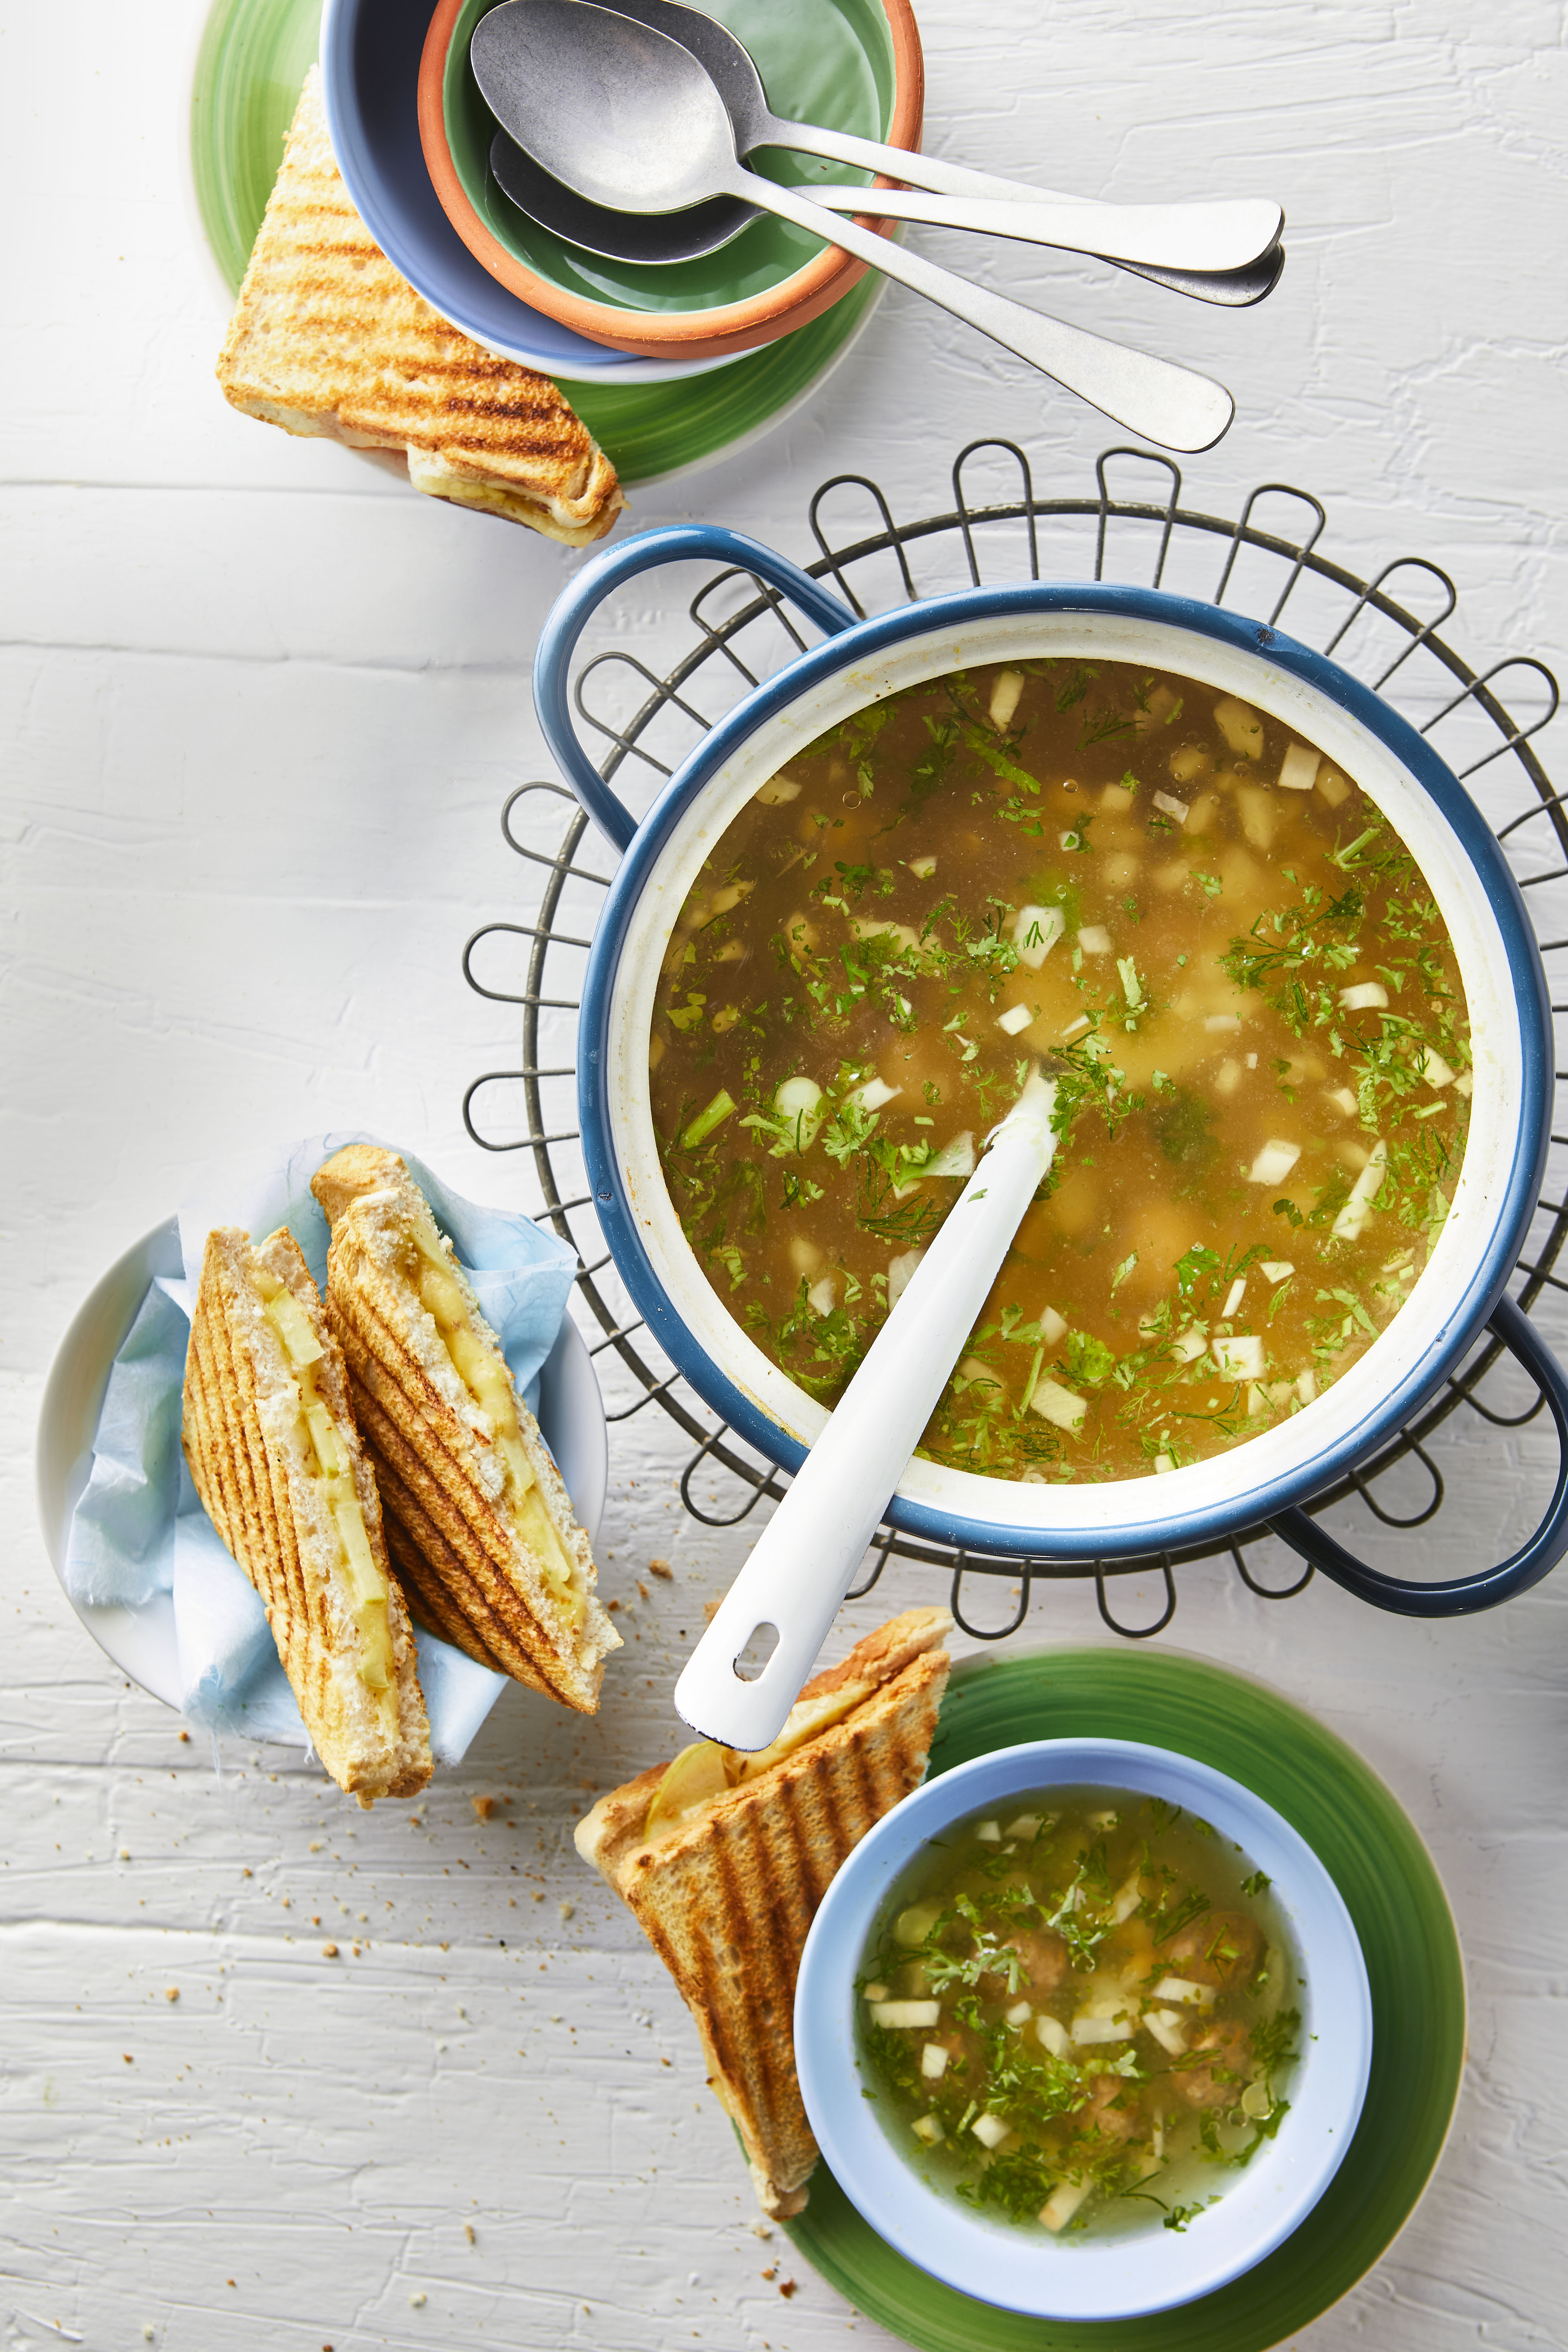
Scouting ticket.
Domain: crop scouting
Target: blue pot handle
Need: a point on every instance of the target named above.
(680, 544)
(1457, 1596)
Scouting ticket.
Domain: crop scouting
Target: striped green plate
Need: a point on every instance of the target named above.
(1413, 1962)
(254, 57)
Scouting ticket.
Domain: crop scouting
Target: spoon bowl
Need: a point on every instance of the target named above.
(689, 235)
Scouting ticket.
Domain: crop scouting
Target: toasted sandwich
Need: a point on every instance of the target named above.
(275, 1458)
(479, 1522)
(328, 340)
(724, 1858)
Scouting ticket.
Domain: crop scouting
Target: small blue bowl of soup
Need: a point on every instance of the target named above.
(1084, 2028)
(1236, 898)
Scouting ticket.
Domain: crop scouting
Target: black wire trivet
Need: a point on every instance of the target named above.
(743, 632)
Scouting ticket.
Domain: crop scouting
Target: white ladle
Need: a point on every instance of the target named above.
(800, 1566)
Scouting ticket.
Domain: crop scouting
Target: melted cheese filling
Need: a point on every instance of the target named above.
(705, 1771)
(483, 1372)
(333, 1477)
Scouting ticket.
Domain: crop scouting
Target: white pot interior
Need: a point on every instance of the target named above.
(1421, 1323)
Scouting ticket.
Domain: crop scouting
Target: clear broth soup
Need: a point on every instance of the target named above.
(1081, 2013)
(1210, 934)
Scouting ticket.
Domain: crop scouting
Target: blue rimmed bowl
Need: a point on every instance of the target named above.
(1460, 1293)
(1116, 2276)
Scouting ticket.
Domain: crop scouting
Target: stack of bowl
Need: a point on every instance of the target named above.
(761, 319)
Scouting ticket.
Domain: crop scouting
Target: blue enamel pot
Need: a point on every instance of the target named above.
(1460, 1293)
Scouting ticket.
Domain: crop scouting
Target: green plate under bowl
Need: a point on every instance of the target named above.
(252, 59)
(1412, 1963)
(827, 61)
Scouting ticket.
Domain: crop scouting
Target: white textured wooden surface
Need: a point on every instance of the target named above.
(260, 712)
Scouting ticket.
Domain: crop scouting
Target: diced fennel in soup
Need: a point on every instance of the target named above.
(1223, 949)
(1081, 2012)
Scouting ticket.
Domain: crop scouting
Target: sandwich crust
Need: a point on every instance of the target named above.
(475, 1560)
(726, 1898)
(329, 340)
(251, 1462)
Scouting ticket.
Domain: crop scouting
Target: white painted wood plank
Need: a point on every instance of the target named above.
(241, 678)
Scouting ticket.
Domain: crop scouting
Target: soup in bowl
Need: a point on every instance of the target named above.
(1083, 2028)
(1109, 780)
(1211, 935)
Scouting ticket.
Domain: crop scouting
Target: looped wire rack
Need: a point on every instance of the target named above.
(1384, 630)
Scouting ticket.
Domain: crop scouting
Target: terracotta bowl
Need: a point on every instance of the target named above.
(696, 310)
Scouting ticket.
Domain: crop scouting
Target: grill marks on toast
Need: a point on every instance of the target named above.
(727, 1898)
(328, 339)
(245, 1477)
(462, 1535)
(452, 1544)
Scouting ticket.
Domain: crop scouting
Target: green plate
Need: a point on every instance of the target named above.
(827, 61)
(252, 59)
(1412, 1963)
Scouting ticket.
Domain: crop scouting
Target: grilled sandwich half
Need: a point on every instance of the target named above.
(328, 340)
(724, 1858)
(479, 1522)
(275, 1458)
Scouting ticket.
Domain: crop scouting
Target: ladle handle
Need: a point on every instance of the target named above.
(1483, 1588)
(800, 1567)
(1167, 404)
(576, 605)
(1212, 238)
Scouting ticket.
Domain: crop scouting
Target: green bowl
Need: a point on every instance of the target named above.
(1414, 1968)
(827, 61)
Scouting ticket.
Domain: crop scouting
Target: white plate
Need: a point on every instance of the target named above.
(142, 1641)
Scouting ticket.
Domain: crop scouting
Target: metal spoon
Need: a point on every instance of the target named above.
(1226, 235)
(702, 229)
(631, 118)
(799, 1567)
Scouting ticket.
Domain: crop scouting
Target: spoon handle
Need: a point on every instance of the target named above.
(1235, 288)
(1211, 238)
(799, 1567)
(1167, 404)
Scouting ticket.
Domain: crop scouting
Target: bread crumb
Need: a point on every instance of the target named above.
(770, 2273)
(127, 2058)
(644, 1590)
(711, 1609)
(418, 2299)
(661, 1568)
(469, 2232)
(329, 1951)
(316, 1845)
(483, 1806)
(785, 2288)
(170, 1992)
(125, 1853)
(539, 1894)
(186, 1737)
(566, 1909)
(612, 1606)
(760, 2230)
